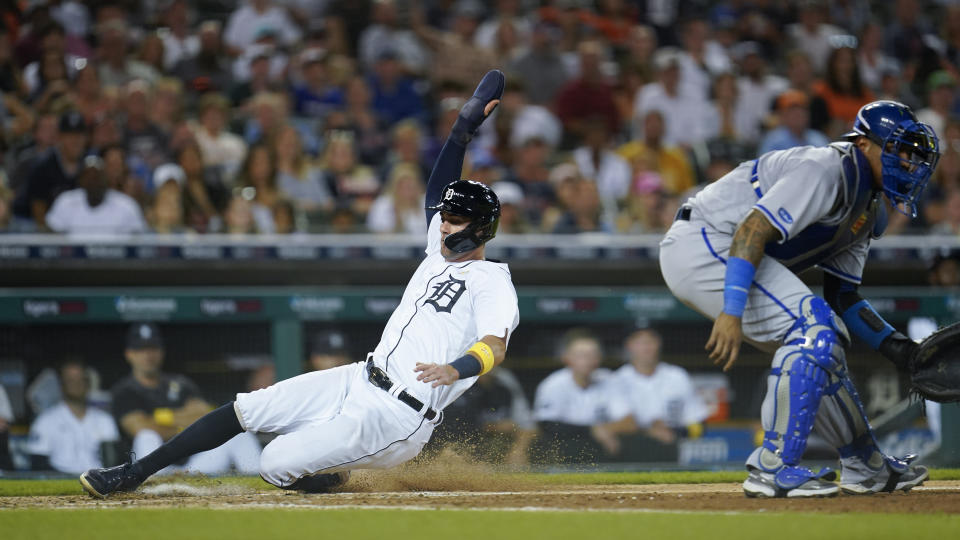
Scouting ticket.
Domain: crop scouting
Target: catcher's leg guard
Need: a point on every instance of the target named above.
(799, 378)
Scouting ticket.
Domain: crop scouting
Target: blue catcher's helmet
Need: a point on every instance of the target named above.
(910, 150)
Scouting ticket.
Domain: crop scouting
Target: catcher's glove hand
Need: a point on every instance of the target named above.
(935, 366)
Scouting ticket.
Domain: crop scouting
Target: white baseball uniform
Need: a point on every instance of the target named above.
(71, 444)
(560, 399)
(336, 420)
(667, 394)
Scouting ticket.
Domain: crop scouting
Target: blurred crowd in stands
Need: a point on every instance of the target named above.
(325, 116)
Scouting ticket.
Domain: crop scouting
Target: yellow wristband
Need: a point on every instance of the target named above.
(484, 353)
(163, 416)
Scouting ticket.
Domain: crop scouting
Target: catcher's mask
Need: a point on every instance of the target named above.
(910, 150)
(475, 201)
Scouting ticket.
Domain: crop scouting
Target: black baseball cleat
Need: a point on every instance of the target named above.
(320, 483)
(103, 482)
(471, 114)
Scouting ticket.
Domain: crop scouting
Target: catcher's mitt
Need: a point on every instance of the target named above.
(935, 366)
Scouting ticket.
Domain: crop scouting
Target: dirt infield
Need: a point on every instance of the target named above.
(369, 490)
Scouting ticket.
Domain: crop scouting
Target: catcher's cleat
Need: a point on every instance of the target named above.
(472, 113)
(103, 482)
(320, 483)
(764, 485)
(897, 475)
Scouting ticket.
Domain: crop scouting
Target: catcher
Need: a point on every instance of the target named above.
(733, 254)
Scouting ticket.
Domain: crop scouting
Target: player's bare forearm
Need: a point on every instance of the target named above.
(752, 236)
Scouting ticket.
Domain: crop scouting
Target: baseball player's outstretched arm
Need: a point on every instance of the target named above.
(449, 163)
(746, 252)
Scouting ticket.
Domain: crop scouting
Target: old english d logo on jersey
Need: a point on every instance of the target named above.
(446, 294)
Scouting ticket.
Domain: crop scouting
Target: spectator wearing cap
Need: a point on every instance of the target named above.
(255, 16)
(652, 154)
(941, 98)
(684, 114)
(219, 147)
(116, 68)
(328, 350)
(756, 90)
(315, 97)
(589, 95)
(525, 120)
(54, 174)
(386, 33)
(455, 56)
(398, 208)
(208, 70)
(151, 407)
(394, 96)
(165, 213)
(793, 113)
(541, 67)
(94, 208)
(70, 436)
(264, 59)
(512, 220)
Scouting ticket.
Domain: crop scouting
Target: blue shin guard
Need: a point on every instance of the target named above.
(803, 371)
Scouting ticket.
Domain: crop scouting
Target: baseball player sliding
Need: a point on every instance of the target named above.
(452, 325)
(733, 254)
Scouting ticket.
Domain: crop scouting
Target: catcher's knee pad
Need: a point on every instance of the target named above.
(819, 331)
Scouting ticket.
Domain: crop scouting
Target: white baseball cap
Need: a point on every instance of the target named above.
(167, 172)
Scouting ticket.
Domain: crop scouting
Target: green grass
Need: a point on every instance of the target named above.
(263, 524)
(72, 487)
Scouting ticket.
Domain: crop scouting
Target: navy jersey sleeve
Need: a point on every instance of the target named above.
(448, 167)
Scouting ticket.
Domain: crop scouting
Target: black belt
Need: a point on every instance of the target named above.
(379, 378)
(683, 214)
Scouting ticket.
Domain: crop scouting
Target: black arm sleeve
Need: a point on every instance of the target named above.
(840, 294)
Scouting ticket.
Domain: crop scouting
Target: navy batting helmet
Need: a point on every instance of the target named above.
(910, 150)
(471, 200)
